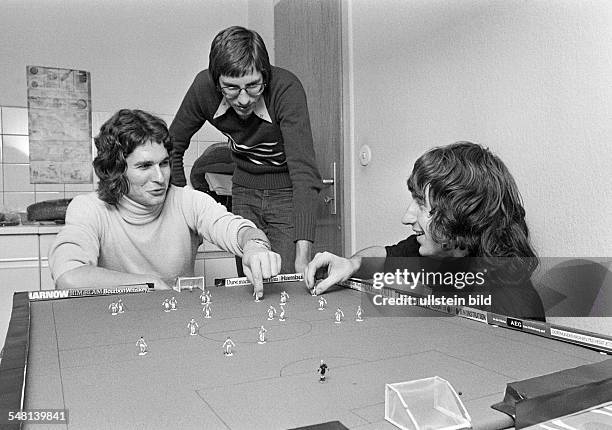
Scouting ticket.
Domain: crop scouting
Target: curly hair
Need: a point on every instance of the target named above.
(119, 136)
(476, 205)
(237, 51)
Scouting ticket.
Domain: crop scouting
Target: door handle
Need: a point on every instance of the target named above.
(331, 199)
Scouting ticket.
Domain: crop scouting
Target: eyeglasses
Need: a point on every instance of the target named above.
(251, 89)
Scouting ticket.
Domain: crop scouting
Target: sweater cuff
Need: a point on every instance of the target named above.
(305, 226)
(177, 171)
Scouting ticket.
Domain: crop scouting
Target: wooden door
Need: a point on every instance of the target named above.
(308, 42)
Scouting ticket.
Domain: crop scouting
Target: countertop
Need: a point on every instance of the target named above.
(52, 228)
(33, 228)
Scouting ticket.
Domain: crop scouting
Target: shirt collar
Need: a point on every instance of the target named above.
(260, 109)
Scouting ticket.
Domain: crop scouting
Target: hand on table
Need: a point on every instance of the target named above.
(259, 263)
(338, 269)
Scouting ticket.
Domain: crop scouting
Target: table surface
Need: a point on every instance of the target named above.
(84, 359)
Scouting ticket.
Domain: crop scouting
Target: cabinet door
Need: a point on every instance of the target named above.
(219, 268)
(19, 271)
(212, 262)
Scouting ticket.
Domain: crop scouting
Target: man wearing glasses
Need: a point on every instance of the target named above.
(263, 112)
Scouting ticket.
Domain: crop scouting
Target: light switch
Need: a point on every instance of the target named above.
(365, 155)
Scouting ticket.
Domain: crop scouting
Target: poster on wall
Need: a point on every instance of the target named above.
(59, 119)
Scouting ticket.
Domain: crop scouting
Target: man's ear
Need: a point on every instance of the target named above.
(454, 250)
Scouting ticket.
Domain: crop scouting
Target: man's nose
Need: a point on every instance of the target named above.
(410, 216)
(158, 174)
(243, 97)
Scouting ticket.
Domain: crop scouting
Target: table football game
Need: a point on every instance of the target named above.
(83, 359)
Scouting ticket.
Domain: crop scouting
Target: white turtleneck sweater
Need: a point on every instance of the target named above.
(131, 238)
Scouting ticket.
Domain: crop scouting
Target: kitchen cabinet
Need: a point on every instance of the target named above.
(20, 265)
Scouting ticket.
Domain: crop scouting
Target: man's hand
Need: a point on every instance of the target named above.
(303, 252)
(259, 263)
(338, 269)
(88, 276)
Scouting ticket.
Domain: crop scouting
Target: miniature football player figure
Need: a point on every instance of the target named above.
(322, 303)
(206, 310)
(271, 313)
(113, 308)
(281, 316)
(166, 305)
(172, 304)
(322, 370)
(339, 315)
(283, 297)
(205, 297)
(262, 335)
(120, 306)
(144, 348)
(359, 314)
(227, 347)
(193, 327)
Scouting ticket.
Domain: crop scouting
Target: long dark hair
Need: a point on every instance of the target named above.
(237, 51)
(476, 206)
(118, 137)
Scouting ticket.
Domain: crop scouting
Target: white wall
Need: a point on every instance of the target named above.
(141, 54)
(530, 80)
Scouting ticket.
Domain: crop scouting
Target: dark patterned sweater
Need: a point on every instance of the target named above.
(268, 155)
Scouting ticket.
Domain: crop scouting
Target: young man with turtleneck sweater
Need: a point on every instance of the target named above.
(138, 228)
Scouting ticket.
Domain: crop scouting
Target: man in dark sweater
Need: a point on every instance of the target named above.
(467, 217)
(263, 112)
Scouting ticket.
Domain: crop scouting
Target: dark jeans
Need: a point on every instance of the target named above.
(272, 212)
